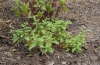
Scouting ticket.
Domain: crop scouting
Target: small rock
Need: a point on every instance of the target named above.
(93, 58)
(13, 50)
(63, 62)
(18, 58)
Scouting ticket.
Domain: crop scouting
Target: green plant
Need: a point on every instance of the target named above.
(45, 30)
(47, 33)
(41, 8)
(21, 9)
(75, 43)
(43, 36)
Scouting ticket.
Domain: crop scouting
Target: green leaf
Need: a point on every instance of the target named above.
(24, 25)
(17, 13)
(24, 8)
(43, 31)
(41, 45)
(65, 8)
(27, 38)
(39, 14)
(47, 5)
(41, 42)
(17, 2)
(49, 24)
(62, 2)
(56, 42)
(51, 50)
(73, 50)
(47, 44)
(32, 46)
(43, 8)
(27, 44)
(29, 15)
(64, 27)
(49, 8)
(41, 39)
(61, 40)
(15, 37)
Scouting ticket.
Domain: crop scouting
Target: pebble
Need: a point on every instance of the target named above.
(63, 62)
(93, 58)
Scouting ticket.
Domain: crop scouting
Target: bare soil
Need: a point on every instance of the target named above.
(81, 13)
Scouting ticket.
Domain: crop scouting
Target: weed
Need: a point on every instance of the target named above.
(48, 30)
(75, 43)
(44, 35)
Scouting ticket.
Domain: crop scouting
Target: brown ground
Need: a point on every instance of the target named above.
(81, 12)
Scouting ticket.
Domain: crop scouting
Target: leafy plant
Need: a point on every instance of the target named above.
(75, 43)
(41, 8)
(21, 9)
(44, 35)
(45, 30)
